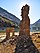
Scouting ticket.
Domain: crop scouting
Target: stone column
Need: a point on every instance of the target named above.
(12, 30)
(7, 33)
(25, 22)
(24, 41)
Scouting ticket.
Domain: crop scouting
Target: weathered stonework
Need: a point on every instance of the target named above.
(25, 22)
(12, 30)
(24, 42)
(8, 31)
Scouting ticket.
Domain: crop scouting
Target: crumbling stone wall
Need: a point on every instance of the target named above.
(24, 42)
(25, 22)
(21, 43)
(8, 31)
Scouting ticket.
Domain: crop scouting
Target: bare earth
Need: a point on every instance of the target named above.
(8, 48)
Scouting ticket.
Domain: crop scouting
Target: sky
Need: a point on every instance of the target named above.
(14, 7)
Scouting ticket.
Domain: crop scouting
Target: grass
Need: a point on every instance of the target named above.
(2, 31)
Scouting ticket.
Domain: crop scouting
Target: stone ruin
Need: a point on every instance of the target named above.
(25, 22)
(9, 37)
(24, 42)
(8, 45)
(8, 31)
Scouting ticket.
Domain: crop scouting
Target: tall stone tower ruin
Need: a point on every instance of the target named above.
(25, 22)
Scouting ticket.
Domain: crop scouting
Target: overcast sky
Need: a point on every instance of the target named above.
(14, 7)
